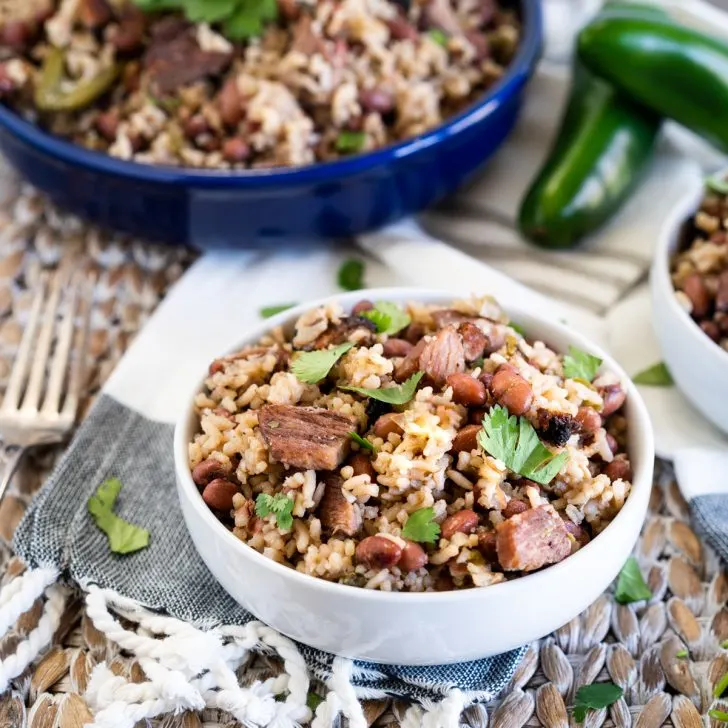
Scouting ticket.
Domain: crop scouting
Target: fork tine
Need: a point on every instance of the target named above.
(22, 359)
(59, 363)
(45, 339)
(75, 379)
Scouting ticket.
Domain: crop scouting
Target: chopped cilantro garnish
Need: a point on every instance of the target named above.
(421, 527)
(313, 700)
(362, 441)
(439, 37)
(681, 654)
(717, 184)
(514, 441)
(350, 141)
(479, 362)
(351, 275)
(279, 504)
(658, 375)
(387, 317)
(313, 366)
(580, 365)
(631, 586)
(517, 328)
(238, 19)
(400, 394)
(594, 697)
(268, 311)
(124, 537)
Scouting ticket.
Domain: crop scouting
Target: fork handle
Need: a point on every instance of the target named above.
(9, 458)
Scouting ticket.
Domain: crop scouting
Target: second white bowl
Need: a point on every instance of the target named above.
(432, 627)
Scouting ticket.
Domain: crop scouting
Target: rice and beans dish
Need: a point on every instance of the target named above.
(411, 448)
(700, 269)
(284, 83)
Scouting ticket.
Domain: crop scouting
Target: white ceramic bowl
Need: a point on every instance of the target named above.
(421, 628)
(698, 365)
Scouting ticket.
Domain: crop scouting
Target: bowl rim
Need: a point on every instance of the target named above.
(661, 281)
(642, 438)
(520, 68)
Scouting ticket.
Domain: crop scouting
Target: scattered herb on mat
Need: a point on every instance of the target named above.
(631, 586)
(658, 375)
(720, 715)
(439, 37)
(351, 275)
(279, 504)
(124, 537)
(717, 184)
(350, 141)
(268, 311)
(580, 365)
(421, 526)
(400, 394)
(594, 697)
(514, 441)
(313, 700)
(387, 317)
(681, 654)
(362, 441)
(238, 19)
(311, 367)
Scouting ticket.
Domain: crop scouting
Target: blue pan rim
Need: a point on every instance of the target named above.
(74, 154)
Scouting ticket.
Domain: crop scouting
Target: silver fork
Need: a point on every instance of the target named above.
(44, 388)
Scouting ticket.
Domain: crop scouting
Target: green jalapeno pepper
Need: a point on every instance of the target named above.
(50, 94)
(603, 145)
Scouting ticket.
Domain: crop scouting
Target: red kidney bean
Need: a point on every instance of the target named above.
(466, 439)
(195, 126)
(218, 494)
(387, 425)
(362, 306)
(475, 416)
(512, 391)
(16, 34)
(378, 552)
(465, 521)
(613, 397)
(588, 419)
(612, 443)
(208, 470)
(514, 507)
(217, 366)
(107, 124)
(401, 29)
(619, 468)
(711, 329)
(230, 103)
(376, 99)
(487, 543)
(396, 348)
(413, 557)
(289, 9)
(694, 288)
(235, 150)
(467, 390)
(721, 296)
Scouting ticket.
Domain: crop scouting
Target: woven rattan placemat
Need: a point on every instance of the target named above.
(636, 649)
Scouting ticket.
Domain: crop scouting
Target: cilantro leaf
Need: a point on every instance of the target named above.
(124, 537)
(400, 394)
(350, 141)
(387, 317)
(479, 362)
(517, 328)
(580, 365)
(681, 654)
(594, 697)
(279, 504)
(313, 700)
(268, 311)
(421, 527)
(631, 586)
(658, 375)
(351, 275)
(362, 441)
(717, 184)
(311, 367)
(514, 441)
(438, 36)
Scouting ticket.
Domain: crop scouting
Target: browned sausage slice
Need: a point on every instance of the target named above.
(305, 437)
(532, 539)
